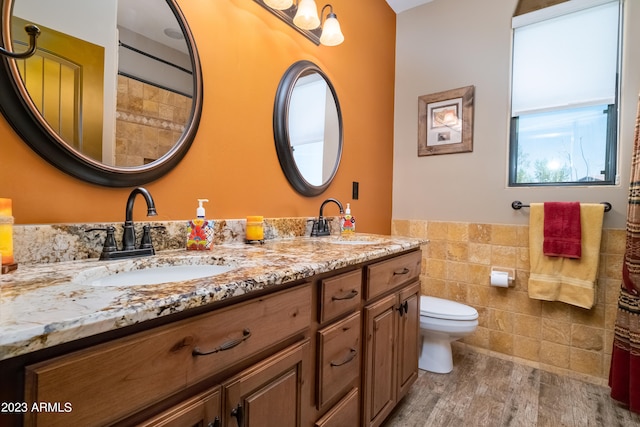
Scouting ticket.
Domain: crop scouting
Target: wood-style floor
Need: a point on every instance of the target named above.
(488, 391)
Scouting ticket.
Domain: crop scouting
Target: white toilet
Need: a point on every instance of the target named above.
(442, 321)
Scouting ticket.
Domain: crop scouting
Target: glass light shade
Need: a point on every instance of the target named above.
(307, 15)
(331, 32)
(279, 4)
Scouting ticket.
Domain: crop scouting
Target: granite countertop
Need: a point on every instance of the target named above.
(43, 305)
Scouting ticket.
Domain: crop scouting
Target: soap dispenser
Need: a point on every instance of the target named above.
(200, 230)
(348, 222)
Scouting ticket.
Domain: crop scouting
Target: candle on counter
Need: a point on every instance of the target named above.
(255, 230)
(6, 232)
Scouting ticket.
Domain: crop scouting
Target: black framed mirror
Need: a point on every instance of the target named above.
(127, 98)
(307, 127)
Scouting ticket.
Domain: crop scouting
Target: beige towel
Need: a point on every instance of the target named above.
(564, 279)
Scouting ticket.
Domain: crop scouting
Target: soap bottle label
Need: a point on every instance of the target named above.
(348, 224)
(199, 235)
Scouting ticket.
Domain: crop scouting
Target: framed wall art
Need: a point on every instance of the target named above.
(445, 122)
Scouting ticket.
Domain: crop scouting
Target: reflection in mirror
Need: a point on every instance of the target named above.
(308, 128)
(69, 81)
(313, 128)
(115, 86)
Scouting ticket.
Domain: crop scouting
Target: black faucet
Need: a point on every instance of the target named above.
(321, 226)
(129, 235)
(110, 249)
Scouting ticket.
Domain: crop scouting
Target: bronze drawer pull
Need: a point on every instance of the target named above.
(226, 346)
(404, 270)
(349, 295)
(352, 355)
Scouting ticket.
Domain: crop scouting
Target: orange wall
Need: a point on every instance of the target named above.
(244, 51)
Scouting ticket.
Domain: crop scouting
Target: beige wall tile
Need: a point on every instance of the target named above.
(437, 230)
(501, 342)
(504, 235)
(480, 253)
(527, 326)
(521, 303)
(480, 338)
(615, 241)
(458, 232)
(400, 227)
(556, 310)
(503, 256)
(457, 271)
(587, 338)
(500, 320)
(554, 354)
(526, 348)
(558, 336)
(479, 274)
(556, 331)
(457, 251)
(480, 233)
(438, 249)
(586, 362)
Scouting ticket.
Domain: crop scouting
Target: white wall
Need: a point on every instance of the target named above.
(447, 44)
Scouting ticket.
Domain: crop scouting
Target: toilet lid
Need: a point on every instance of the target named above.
(445, 309)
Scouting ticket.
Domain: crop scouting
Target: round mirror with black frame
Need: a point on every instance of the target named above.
(307, 126)
(114, 128)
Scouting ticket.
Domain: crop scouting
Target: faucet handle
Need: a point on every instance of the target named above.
(145, 242)
(109, 241)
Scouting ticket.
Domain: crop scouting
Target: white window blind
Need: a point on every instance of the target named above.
(569, 60)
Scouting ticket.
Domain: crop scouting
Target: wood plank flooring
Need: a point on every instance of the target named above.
(488, 391)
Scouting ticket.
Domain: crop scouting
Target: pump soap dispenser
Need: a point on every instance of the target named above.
(200, 231)
(348, 222)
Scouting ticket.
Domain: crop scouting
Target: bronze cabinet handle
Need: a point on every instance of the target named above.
(403, 308)
(352, 355)
(348, 295)
(237, 413)
(404, 270)
(225, 346)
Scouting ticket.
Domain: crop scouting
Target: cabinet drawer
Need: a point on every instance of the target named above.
(345, 413)
(339, 295)
(387, 275)
(201, 410)
(338, 357)
(107, 382)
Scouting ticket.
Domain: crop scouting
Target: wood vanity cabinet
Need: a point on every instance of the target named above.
(337, 351)
(391, 331)
(111, 382)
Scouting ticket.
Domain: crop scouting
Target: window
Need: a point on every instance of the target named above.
(564, 97)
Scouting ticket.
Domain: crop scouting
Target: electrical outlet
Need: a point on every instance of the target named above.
(355, 190)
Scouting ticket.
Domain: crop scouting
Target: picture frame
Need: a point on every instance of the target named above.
(445, 122)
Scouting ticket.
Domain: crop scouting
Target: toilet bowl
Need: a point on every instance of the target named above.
(441, 322)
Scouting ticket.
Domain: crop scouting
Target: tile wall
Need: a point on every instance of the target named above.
(149, 121)
(553, 336)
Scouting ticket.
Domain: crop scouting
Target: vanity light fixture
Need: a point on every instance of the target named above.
(307, 15)
(331, 32)
(303, 17)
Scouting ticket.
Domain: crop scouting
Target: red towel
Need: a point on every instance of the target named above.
(562, 232)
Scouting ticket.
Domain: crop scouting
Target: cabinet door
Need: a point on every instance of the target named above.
(200, 411)
(379, 385)
(270, 393)
(408, 336)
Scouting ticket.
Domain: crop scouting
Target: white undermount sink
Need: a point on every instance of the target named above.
(158, 275)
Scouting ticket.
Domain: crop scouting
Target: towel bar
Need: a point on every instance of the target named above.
(517, 204)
